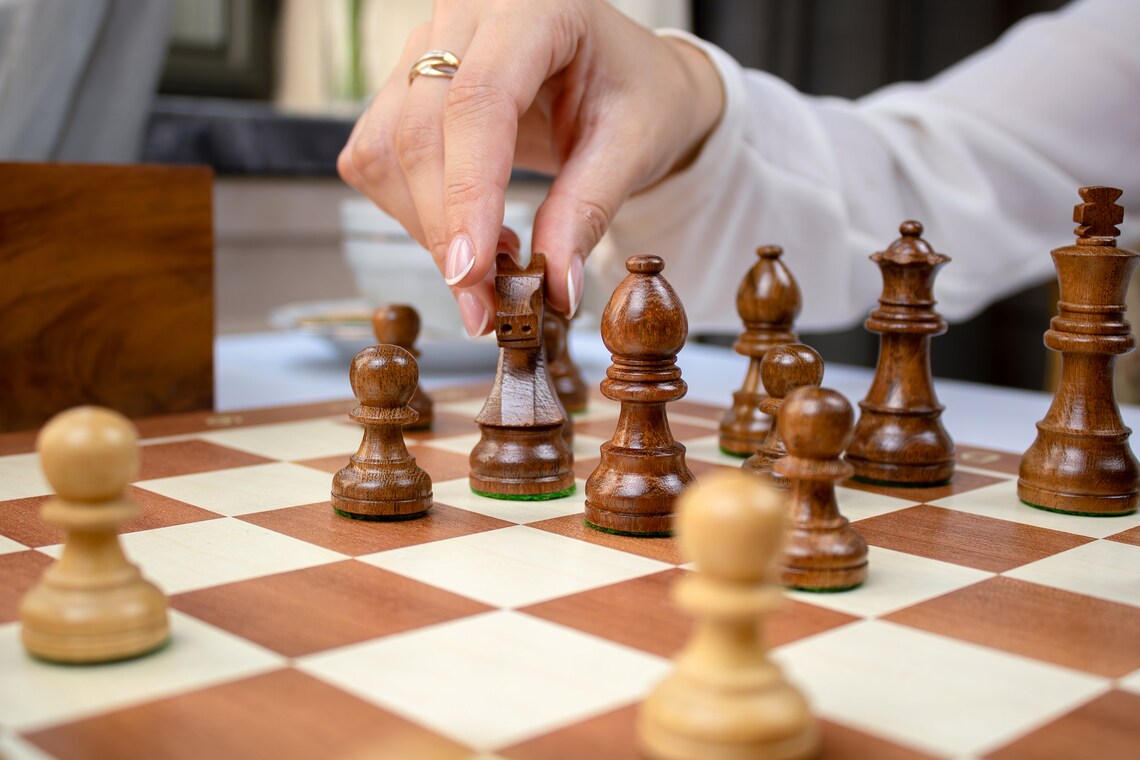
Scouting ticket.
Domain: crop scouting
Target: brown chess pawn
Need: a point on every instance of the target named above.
(399, 325)
(725, 698)
(823, 552)
(768, 302)
(1081, 462)
(554, 327)
(899, 438)
(564, 372)
(92, 605)
(521, 453)
(783, 369)
(382, 480)
(642, 469)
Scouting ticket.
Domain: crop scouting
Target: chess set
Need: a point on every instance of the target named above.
(492, 572)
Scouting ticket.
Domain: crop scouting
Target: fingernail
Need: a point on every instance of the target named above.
(574, 284)
(460, 259)
(473, 314)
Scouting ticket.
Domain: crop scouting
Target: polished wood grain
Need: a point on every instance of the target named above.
(1083, 633)
(341, 603)
(783, 369)
(399, 325)
(164, 460)
(382, 480)
(768, 302)
(642, 469)
(20, 571)
(1102, 728)
(965, 539)
(521, 450)
(317, 524)
(283, 714)
(899, 438)
(661, 548)
(108, 295)
(1081, 461)
(823, 552)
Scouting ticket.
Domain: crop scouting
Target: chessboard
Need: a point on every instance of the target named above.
(510, 630)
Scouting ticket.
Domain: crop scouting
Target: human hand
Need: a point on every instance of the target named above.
(570, 88)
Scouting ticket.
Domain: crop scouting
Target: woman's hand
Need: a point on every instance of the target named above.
(571, 88)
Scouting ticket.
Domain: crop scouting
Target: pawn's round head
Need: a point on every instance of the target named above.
(89, 453)
(790, 366)
(384, 376)
(397, 324)
(816, 423)
(732, 525)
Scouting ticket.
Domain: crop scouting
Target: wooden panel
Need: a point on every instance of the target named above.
(107, 292)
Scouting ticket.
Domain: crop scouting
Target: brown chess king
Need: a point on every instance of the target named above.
(1081, 462)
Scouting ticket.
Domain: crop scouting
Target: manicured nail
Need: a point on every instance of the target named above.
(460, 259)
(473, 314)
(574, 284)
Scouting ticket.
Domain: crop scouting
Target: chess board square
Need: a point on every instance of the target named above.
(1000, 501)
(1102, 728)
(962, 482)
(641, 613)
(707, 449)
(307, 439)
(162, 460)
(241, 490)
(442, 425)
(661, 548)
(599, 408)
(21, 477)
(964, 538)
(895, 580)
(701, 411)
(859, 505)
(20, 571)
(1085, 633)
(319, 524)
(1127, 537)
(20, 519)
(1131, 682)
(341, 603)
(283, 714)
(987, 459)
(702, 425)
(186, 557)
(37, 694)
(514, 566)
(12, 747)
(458, 493)
(920, 678)
(1104, 569)
(8, 546)
(491, 680)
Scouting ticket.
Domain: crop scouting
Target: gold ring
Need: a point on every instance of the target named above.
(434, 63)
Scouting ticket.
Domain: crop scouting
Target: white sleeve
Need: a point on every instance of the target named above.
(988, 156)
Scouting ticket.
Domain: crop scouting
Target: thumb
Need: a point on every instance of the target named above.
(577, 211)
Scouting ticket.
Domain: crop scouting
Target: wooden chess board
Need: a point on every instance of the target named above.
(506, 629)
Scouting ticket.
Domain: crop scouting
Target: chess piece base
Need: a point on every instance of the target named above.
(909, 475)
(744, 427)
(94, 625)
(681, 721)
(381, 510)
(642, 487)
(1089, 505)
(824, 579)
(510, 463)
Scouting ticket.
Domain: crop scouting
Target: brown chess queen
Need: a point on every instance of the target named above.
(642, 470)
(1081, 462)
(899, 438)
(521, 453)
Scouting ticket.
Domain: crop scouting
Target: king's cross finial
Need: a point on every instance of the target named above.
(1098, 216)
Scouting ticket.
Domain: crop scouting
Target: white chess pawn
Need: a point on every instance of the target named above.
(726, 700)
(92, 605)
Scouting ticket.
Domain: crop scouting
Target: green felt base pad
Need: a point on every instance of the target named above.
(896, 484)
(379, 518)
(1080, 514)
(527, 496)
(657, 534)
(826, 590)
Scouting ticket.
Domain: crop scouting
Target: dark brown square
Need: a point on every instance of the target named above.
(20, 518)
(1103, 728)
(163, 460)
(341, 603)
(282, 715)
(444, 425)
(962, 482)
(20, 571)
(574, 526)
(1131, 536)
(1083, 633)
(963, 538)
(319, 524)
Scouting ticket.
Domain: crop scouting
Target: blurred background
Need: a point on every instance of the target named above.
(266, 91)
